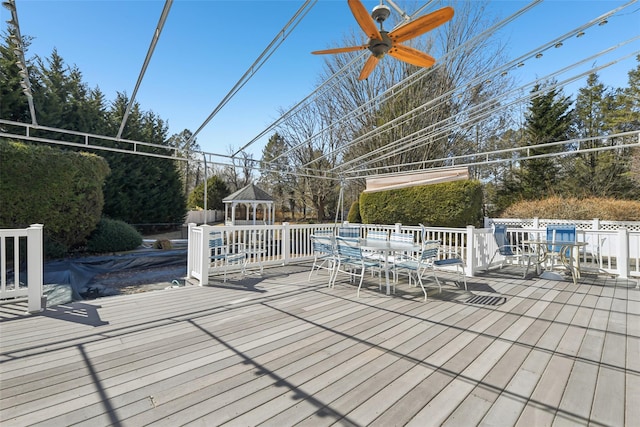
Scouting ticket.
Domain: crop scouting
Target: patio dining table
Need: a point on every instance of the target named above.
(386, 248)
(571, 261)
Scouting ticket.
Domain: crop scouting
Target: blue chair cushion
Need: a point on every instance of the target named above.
(448, 261)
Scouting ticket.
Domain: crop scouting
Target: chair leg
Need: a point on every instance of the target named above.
(360, 284)
(490, 261)
(332, 279)
(437, 281)
(526, 270)
(422, 286)
(464, 276)
(332, 272)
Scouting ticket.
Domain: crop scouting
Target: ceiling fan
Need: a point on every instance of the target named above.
(383, 42)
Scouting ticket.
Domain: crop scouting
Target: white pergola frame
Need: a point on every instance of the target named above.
(362, 167)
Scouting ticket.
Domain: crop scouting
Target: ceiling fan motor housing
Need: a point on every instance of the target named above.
(380, 47)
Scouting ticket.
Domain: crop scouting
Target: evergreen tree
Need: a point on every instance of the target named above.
(626, 117)
(142, 189)
(216, 191)
(549, 119)
(13, 103)
(189, 169)
(596, 173)
(64, 101)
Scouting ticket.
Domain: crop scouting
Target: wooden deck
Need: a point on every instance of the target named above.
(278, 350)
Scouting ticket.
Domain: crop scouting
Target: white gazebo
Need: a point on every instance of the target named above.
(254, 199)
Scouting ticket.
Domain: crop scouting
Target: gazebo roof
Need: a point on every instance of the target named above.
(250, 193)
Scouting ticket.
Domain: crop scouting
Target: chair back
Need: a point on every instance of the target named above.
(322, 245)
(349, 232)
(216, 240)
(377, 235)
(502, 240)
(348, 248)
(560, 233)
(401, 237)
(323, 232)
(430, 250)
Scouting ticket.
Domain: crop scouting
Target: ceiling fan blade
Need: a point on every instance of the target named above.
(339, 50)
(368, 67)
(411, 56)
(421, 25)
(365, 20)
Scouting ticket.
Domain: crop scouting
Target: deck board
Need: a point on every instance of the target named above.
(283, 350)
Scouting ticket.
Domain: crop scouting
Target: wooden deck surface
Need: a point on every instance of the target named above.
(278, 350)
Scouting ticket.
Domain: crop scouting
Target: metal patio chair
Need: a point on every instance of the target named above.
(324, 256)
(350, 261)
(417, 266)
(556, 234)
(221, 253)
(511, 254)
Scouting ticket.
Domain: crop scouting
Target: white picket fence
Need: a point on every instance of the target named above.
(21, 266)
(204, 217)
(609, 251)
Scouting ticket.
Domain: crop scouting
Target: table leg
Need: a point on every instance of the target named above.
(573, 261)
(386, 271)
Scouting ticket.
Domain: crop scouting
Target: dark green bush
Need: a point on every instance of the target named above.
(113, 236)
(449, 204)
(60, 189)
(354, 213)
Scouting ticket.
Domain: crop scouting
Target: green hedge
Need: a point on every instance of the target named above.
(450, 204)
(354, 213)
(60, 189)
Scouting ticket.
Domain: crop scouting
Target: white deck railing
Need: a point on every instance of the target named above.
(613, 247)
(21, 266)
(615, 252)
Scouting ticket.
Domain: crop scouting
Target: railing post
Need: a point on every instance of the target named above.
(204, 255)
(286, 242)
(622, 263)
(35, 268)
(470, 249)
(191, 252)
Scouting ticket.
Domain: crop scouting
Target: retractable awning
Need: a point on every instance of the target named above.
(412, 179)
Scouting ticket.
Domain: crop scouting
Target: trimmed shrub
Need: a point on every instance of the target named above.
(449, 204)
(57, 188)
(354, 213)
(573, 208)
(113, 236)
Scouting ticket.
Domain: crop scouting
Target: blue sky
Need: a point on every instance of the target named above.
(206, 46)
